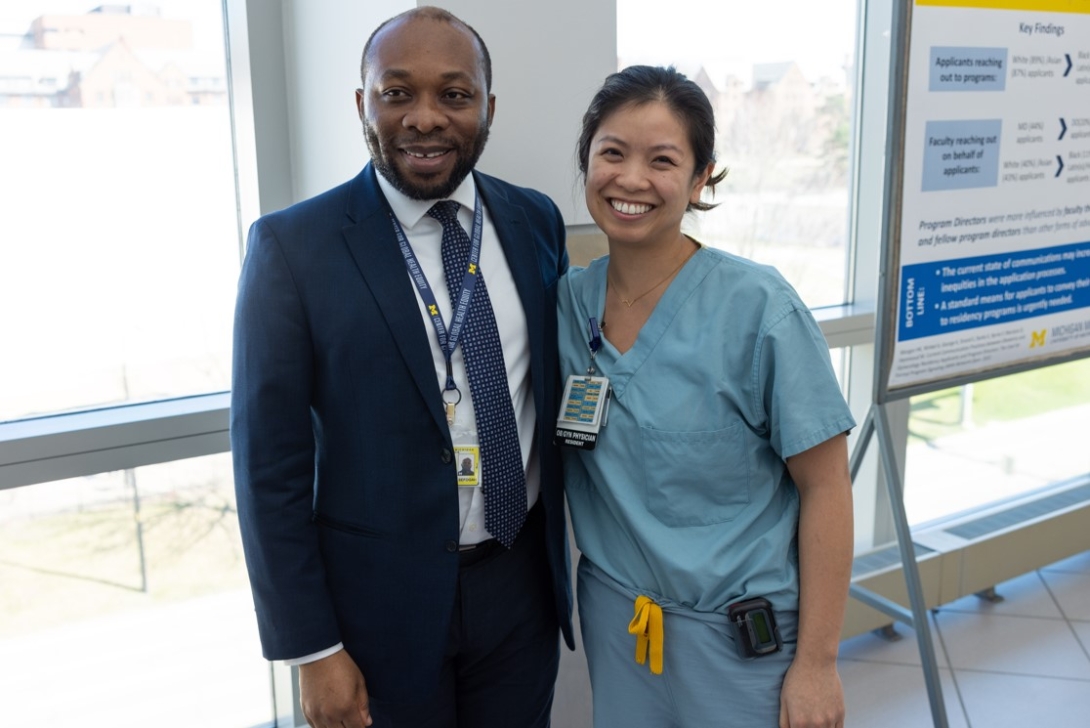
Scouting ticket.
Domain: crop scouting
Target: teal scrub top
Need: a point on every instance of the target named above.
(686, 496)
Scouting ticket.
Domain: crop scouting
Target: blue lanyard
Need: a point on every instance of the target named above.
(595, 342)
(448, 341)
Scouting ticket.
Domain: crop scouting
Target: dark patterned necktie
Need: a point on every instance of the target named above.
(502, 478)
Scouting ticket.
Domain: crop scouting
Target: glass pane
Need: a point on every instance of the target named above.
(841, 359)
(783, 99)
(119, 235)
(985, 442)
(124, 602)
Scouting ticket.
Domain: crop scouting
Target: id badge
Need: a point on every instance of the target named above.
(467, 456)
(583, 411)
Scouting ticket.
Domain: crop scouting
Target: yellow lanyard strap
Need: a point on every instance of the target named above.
(647, 626)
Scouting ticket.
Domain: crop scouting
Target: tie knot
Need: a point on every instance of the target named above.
(445, 211)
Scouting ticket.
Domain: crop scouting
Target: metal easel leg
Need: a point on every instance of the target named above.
(911, 571)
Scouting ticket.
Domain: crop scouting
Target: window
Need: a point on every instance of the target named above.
(129, 590)
(783, 96)
(996, 439)
(119, 238)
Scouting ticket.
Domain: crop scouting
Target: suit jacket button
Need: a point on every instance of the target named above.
(446, 456)
(452, 546)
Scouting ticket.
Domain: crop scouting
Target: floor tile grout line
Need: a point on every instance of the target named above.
(1077, 572)
(1082, 644)
(884, 662)
(1054, 568)
(968, 669)
(978, 671)
(933, 616)
(1051, 594)
(945, 610)
(1056, 599)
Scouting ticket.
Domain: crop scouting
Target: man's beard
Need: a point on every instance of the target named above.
(468, 154)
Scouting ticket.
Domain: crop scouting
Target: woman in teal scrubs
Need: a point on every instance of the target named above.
(721, 474)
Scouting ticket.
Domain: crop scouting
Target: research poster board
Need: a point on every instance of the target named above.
(991, 271)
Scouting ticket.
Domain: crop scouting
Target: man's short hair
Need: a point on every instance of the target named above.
(431, 13)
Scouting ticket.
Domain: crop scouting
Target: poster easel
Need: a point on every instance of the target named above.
(985, 261)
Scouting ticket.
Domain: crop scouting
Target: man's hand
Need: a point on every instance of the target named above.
(333, 693)
(811, 697)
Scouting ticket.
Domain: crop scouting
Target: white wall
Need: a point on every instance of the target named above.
(547, 58)
(323, 43)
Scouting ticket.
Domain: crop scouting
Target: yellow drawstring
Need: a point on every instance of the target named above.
(647, 626)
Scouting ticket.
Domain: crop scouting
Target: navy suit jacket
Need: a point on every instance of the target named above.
(344, 467)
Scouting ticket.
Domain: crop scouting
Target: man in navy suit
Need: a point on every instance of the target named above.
(370, 558)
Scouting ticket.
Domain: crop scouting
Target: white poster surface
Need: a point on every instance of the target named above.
(994, 251)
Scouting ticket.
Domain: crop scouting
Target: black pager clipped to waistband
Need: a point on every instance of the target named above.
(755, 630)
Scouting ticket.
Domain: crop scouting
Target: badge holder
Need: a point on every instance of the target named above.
(583, 411)
(467, 457)
(584, 408)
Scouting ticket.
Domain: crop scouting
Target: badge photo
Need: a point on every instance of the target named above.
(468, 459)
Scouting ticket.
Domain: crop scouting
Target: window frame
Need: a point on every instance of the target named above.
(40, 450)
(65, 445)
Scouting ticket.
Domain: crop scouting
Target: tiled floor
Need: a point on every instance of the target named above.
(1024, 661)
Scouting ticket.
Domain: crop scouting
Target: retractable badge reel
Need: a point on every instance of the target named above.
(584, 408)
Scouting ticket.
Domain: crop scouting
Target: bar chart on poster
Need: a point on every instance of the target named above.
(990, 266)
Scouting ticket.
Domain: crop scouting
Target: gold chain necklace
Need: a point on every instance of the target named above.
(629, 303)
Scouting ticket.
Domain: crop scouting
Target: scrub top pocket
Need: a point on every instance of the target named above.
(694, 478)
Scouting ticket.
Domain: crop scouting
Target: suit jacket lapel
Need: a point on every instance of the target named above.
(517, 239)
(373, 245)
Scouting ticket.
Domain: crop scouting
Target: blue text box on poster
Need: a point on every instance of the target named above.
(961, 155)
(968, 69)
(953, 295)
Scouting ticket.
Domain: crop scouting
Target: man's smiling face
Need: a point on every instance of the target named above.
(425, 106)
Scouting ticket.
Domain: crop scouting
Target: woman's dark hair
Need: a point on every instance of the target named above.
(638, 85)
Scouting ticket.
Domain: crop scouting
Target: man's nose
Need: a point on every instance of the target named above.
(426, 116)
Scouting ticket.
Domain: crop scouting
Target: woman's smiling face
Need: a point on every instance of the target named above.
(640, 174)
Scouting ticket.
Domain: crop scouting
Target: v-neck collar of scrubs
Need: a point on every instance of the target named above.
(620, 368)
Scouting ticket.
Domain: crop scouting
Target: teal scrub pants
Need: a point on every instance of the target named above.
(704, 683)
